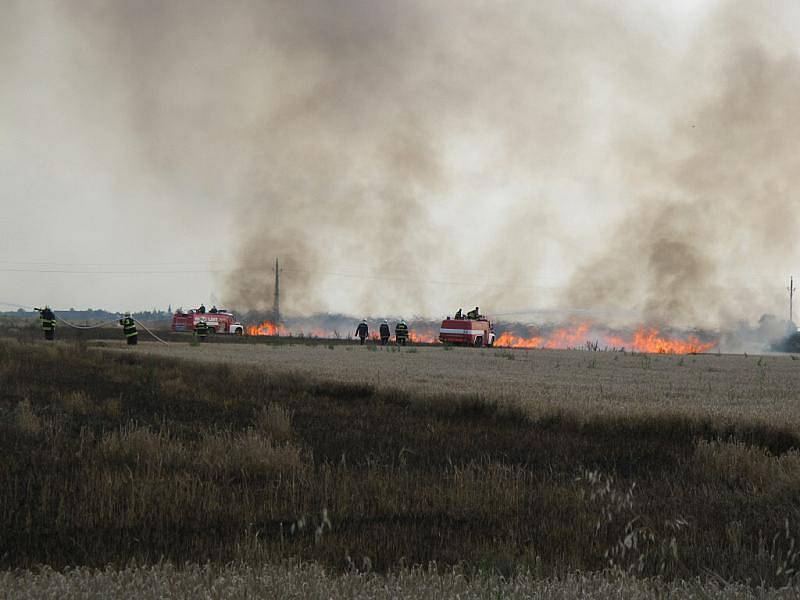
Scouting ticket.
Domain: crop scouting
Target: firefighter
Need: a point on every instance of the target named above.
(474, 314)
(362, 331)
(202, 309)
(48, 319)
(201, 329)
(129, 329)
(213, 310)
(385, 332)
(401, 333)
(459, 314)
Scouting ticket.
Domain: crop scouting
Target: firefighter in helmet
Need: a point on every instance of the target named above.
(129, 329)
(201, 329)
(474, 314)
(362, 331)
(385, 333)
(48, 319)
(401, 333)
(459, 314)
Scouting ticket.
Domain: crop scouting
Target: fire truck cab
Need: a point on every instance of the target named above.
(467, 332)
(221, 321)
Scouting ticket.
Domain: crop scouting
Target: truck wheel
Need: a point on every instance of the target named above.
(212, 330)
(479, 341)
(239, 331)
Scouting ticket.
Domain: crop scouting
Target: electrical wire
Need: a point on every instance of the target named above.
(95, 326)
(117, 272)
(16, 305)
(103, 264)
(470, 279)
(423, 281)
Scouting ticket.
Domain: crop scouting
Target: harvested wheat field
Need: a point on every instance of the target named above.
(342, 471)
(725, 387)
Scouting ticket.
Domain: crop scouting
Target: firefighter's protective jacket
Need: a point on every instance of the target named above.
(384, 330)
(48, 319)
(401, 330)
(362, 330)
(128, 327)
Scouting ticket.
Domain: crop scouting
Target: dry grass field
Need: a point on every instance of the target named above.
(727, 388)
(311, 582)
(488, 471)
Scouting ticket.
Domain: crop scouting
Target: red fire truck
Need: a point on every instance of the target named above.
(221, 321)
(467, 332)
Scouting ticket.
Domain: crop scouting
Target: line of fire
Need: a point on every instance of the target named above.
(576, 335)
(567, 332)
(480, 331)
(464, 330)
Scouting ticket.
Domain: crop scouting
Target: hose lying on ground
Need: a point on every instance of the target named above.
(150, 332)
(95, 326)
(103, 324)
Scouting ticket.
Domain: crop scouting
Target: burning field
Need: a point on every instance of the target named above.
(586, 334)
(577, 334)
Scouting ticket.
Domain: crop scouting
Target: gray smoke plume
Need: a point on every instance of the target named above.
(702, 247)
(410, 157)
(427, 143)
(417, 144)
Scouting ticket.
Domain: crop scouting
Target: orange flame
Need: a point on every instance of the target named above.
(509, 340)
(648, 340)
(424, 335)
(271, 328)
(266, 328)
(421, 334)
(568, 337)
(645, 339)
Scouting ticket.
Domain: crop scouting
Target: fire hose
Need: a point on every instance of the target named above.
(150, 332)
(95, 326)
(104, 323)
(84, 327)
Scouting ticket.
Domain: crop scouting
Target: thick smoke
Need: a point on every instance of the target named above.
(429, 143)
(409, 157)
(721, 214)
(400, 155)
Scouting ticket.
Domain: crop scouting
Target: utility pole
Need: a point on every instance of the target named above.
(276, 306)
(791, 289)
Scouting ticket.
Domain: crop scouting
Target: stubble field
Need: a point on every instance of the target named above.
(508, 471)
(727, 388)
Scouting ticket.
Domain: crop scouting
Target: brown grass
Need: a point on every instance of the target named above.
(309, 581)
(725, 388)
(109, 456)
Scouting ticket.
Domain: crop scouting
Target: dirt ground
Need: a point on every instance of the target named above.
(731, 387)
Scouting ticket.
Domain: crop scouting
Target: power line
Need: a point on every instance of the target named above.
(501, 285)
(413, 280)
(473, 280)
(103, 264)
(117, 272)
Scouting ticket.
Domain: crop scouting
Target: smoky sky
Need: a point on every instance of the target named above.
(410, 158)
